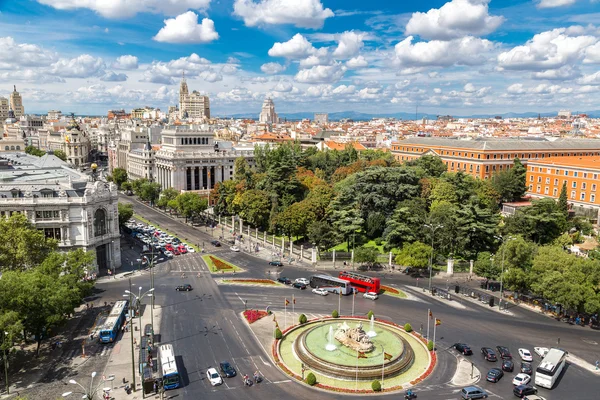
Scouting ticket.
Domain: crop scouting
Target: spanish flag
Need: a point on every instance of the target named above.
(430, 314)
(361, 355)
(387, 356)
(287, 302)
(294, 300)
(274, 319)
(438, 321)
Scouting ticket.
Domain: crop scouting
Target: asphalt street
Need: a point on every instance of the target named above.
(205, 328)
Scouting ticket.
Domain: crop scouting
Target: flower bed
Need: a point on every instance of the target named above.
(216, 265)
(390, 291)
(247, 280)
(219, 264)
(254, 315)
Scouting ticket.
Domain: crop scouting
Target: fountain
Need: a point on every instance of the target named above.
(330, 346)
(372, 332)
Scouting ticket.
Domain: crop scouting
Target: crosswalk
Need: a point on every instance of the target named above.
(94, 350)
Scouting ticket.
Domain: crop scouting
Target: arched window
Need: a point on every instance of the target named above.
(100, 222)
(6, 148)
(12, 147)
(18, 147)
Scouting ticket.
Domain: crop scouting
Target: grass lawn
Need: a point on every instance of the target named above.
(185, 240)
(221, 266)
(344, 246)
(391, 291)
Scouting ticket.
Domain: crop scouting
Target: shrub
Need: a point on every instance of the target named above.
(408, 327)
(311, 379)
(430, 345)
(378, 241)
(302, 319)
(278, 334)
(376, 386)
(335, 314)
(370, 314)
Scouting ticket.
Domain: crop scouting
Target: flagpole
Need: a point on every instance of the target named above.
(285, 315)
(428, 314)
(382, 364)
(340, 303)
(434, 326)
(353, 296)
(293, 305)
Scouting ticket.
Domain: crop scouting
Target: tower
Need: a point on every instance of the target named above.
(268, 114)
(183, 90)
(16, 103)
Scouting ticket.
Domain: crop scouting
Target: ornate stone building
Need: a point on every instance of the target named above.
(268, 114)
(16, 103)
(192, 105)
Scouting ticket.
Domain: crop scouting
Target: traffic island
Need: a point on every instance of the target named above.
(391, 291)
(249, 282)
(217, 265)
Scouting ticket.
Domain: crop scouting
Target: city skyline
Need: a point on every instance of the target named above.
(456, 57)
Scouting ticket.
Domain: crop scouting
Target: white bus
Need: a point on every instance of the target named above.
(170, 374)
(331, 284)
(550, 368)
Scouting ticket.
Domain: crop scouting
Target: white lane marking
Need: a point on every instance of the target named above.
(286, 381)
(264, 362)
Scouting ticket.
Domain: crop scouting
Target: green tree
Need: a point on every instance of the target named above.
(370, 314)
(406, 224)
(119, 176)
(278, 334)
(34, 151)
(125, 212)
(311, 379)
(563, 204)
(60, 154)
(335, 314)
(302, 319)
(408, 327)
(366, 255)
(126, 186)
(511, 184)
(165, 196)
(485, 266)
(190, 205)
(322, 234)
(137, 184)
(414, 254)
(432, 165)
(295, 219)
(375, 224)
(542, 222)
(149, 192)
(376, 386)
(254, 207)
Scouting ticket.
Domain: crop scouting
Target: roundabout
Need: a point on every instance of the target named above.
(350, 354)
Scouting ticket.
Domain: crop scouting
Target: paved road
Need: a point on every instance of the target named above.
(204, 327)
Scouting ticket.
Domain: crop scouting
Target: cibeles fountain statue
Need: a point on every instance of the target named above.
(354, 338)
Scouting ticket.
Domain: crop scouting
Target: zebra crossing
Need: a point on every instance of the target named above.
(94, 350)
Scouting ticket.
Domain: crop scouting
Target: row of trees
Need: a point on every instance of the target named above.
(40, 287)
(34, 151)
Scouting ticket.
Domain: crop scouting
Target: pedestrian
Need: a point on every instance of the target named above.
(155, 387)
(597, 364)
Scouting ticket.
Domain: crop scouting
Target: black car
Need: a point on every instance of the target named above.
(463, 349)
(276, 263)
(216, 243)
(299, 285)
(185, 288)
(526, 368)
(524, 390)
(508, 365)
(488, 354)
(494, 375)
(284, 280)
(227, 370)
(504, 352)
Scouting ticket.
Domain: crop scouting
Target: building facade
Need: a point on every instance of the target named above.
(321, 118)
(77, 145)
(190, 159)
(140, 164)
(483, 157)
(192, 105)
(268, 114)
(65, 204)
(16, 103)
(4, 107)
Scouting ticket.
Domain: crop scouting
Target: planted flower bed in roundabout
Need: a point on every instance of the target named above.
(349, 355)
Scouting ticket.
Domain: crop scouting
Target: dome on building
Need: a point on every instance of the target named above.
(11, 117)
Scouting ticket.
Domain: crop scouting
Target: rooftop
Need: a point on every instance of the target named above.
(589, 162)
(497, 144)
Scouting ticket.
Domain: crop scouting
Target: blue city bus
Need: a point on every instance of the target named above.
(170, 374)
(109, 331)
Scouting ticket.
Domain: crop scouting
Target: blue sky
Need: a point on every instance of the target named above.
(446, 57)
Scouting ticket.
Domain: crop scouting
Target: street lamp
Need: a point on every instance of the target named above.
(503, 240)
(433, 228)
(87, 394)
(4, 341)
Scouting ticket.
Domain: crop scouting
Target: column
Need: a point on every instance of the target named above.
(193, 177)
(201, 171)
(450, 268)
(198, 178)
(219, 174)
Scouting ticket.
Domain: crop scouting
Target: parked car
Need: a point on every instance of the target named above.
(526, 368)
(524, 390)
(473, 392)
(169, 247)
(216, 243)
(371, 296)
(299, 285)
(494, 375)
(525, 355)
(168, 254)
(321, 292)
(508, 365)
(234, 248)
(276, 263)
(488, 354)
(521, 379)
(303, 281)
(541, 351)
(504, 352)
(185, 288)
(463, 348)
(175, 251)
(189, 248)
(285, 280)
(227, 370)
(213, 377)
(182, 249)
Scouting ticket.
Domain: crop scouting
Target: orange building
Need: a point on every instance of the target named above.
(483, 157)
(545, 178)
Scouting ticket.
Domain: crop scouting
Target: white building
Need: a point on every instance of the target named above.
(54, 114)
(16, 103)
(64, 203)
(321, 118)
(268, 114)
(192, 105)
(191, 159)
(4, 107)
(140, 163)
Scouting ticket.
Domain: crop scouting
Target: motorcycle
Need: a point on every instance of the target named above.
(258, 378)
(410, 395)
(248, 381)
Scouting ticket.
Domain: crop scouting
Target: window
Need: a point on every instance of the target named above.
(575, 173)
(52, 233)
(546, 190)
(582, 196)
(530, 188)
(585, 174)
(574, 185)
(556, 182)
(547, 181)
(595, 176)
(100, 222)
(583, 185)
(593, 187)
(539, 189)
(592, 198)
(572, 194)
(555, 192)
(539, 179)
(566, 173)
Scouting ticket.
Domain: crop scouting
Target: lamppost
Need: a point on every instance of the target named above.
(501, 238)
(4, 342)
(433, 228)
(87, 394)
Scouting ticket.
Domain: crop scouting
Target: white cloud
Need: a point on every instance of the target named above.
(185, 29)
(111, 76)
(127, 62)
(437, 90)
(591, 79)
(453, 20)
(212, 76)
(296, 47)
(343, 89)
(83, 66)
(283, 86)
(469, 88)
(516, 88)
(164, 72)
(564, 73)
(30, 76)
(357, 62)
(349, 44)
(546, 50)
(129, 8)
(555, 3)
(301, 13)
(465, 51)
(272, 68)
(15, 55)
(229, 69)
(592, 54)
(321, 74)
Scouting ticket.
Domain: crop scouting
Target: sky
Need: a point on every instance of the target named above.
(458, 57)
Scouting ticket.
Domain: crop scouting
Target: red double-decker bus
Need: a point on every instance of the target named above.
(362, 283)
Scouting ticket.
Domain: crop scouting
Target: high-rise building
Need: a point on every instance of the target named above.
(16, 103)
(321, 118)
(192, 105)
(3, 108)
(268, 114)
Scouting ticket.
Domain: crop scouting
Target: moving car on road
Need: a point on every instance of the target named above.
(303, 281)
(488, 354)
(526, 368)
(371, 296)
(276, 263)
(234, 248)
(284, 280)
(181, 248)
(216, 243)
(508, 365)
(524, 390)
(521, 379)
(504, 352)
(534, 397)
(494, 375)
(525, 355)
(463, 348)
(185, 288)
(321, 292)
(299, 285)
(473, 392)
(227, 370)
(213, 377)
